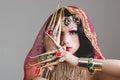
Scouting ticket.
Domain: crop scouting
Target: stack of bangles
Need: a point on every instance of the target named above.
(91, 64)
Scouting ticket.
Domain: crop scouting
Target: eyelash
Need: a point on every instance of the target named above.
(72, 32)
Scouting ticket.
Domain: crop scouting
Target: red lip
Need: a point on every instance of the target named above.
(68, 48)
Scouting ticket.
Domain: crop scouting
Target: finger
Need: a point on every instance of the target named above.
(57, 45)
(55, 22)
(45, 61)
(59, 31)
(51, 64)
(51, 68)
(51, 26)
(57, 26)
(58, 21)
(52, 21)
(46, 53)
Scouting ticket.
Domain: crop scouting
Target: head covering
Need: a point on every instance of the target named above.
(38, 46)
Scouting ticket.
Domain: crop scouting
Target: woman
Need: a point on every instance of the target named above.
(66, 48)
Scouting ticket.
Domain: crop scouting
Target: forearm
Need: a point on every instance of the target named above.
(111, 67)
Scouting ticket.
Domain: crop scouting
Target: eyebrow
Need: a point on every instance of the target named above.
(73, 28)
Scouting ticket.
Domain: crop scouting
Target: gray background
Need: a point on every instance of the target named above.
(21, 20)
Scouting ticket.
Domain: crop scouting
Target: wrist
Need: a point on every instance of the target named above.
(71, 59)
(90, 64)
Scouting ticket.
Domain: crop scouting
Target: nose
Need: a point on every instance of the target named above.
(65, 40)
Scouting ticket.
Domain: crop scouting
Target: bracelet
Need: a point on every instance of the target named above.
(97, 65)
(83, 62)
(90, 64)
(45, 73)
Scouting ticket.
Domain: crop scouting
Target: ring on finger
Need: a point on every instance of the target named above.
(61, 59)
(54, 32)
(50, 31)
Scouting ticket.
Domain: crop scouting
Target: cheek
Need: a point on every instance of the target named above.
(76, 39)
(76, 44)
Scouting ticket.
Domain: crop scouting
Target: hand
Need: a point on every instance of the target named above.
(51, 42)
(53, 32)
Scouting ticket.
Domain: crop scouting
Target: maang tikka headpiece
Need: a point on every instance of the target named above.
(75, 19)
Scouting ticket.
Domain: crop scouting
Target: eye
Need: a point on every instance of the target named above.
(73, 32)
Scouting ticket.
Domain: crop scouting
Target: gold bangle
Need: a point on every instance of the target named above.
(83, 63)
(97, 65)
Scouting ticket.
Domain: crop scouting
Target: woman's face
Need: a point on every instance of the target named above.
(69, 37)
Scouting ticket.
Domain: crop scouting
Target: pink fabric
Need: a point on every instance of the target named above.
(36, 49)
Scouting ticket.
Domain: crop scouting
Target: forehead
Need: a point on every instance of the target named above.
(70, 26)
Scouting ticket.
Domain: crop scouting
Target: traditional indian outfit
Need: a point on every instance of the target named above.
(62, 71)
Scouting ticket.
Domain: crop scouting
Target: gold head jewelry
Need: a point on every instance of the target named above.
(68, 20)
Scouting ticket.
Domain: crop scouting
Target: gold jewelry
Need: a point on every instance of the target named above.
(75, 19)
(61, 59)
(97, 65)
(90, 64)
(83, 62)
(45, 73)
